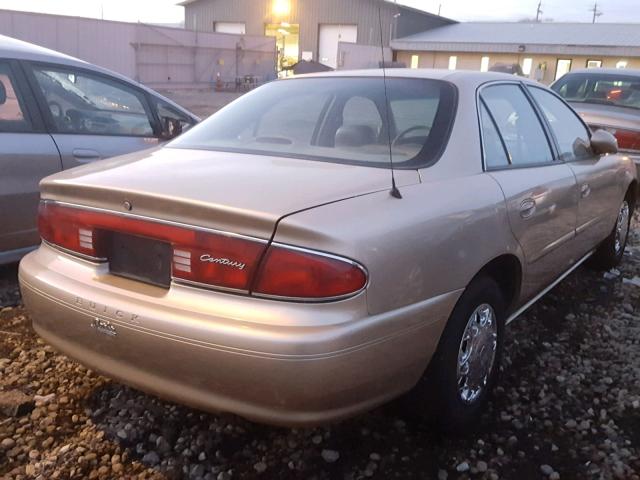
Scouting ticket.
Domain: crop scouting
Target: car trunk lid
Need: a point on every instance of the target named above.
(239, 193)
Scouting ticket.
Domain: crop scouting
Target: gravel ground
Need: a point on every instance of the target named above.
(568, 407)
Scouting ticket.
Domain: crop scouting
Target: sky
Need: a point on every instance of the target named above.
(166, 11)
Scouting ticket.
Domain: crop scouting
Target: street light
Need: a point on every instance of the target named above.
(281, 8)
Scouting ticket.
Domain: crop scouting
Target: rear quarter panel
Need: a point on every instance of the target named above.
(432, 241)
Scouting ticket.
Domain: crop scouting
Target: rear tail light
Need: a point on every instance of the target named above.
(301, 274)
(627, 139)
(201, 256)
(68, 228)
(207, 257)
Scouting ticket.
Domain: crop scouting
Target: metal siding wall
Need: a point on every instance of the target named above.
(310, 14)
(107, 44)
(412, 24)
(157, 56)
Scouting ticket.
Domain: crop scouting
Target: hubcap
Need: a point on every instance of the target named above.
(477, 353)
(622, 227)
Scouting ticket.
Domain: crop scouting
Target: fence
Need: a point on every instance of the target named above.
(161, 57)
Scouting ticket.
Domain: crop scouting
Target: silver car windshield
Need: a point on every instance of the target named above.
(608, 89)
(337, 119)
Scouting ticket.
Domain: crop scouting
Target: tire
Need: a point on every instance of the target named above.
(439, 397)
(610, 252)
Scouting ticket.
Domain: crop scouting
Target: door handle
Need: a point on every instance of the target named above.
(527, 208)
(585, 190)
(85, 155)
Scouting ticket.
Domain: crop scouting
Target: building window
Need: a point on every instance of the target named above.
(415, 61)
(594, 63)
(484, 64)
(622, 64)
(453, 62)
(238, 28)
(527, 63)
(563, 66)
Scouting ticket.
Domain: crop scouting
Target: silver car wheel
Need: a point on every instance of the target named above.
(622, 227)
(477, 353)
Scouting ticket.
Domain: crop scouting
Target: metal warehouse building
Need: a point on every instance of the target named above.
(544, 51)
(312, 29)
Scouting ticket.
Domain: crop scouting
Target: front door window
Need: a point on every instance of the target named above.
(89, 104)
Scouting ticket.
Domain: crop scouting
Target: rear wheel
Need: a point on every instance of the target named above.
(609, 253)
(457, 384)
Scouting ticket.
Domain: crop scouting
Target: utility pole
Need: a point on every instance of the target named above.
(439, 9)
(539, 11)
(596, 12)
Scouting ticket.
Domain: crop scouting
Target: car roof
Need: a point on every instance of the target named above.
(12, 48)
(453, 76)
(607, 71)
(17, 49)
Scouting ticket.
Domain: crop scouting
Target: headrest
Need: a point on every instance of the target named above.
(3, 94)
(355, 136)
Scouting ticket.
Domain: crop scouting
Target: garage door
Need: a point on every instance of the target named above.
(330, 35)
(230, 27)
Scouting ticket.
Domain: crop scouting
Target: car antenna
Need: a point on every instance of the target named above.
(394, 188)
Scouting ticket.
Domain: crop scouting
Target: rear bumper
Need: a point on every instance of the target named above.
(274, 362)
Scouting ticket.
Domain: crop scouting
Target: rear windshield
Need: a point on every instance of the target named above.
(609, 89)
(337, 119)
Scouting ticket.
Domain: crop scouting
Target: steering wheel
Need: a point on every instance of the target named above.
(403, 134)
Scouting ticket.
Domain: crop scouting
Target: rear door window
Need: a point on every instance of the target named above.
(495, 155)
(13, 113)
(518, 124)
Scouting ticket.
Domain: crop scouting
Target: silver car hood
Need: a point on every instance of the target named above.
(608, 115)
(241, 193)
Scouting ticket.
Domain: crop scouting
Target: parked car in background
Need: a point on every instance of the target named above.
(262, 264)
(607, 99)
(510, 68)
(58, 112)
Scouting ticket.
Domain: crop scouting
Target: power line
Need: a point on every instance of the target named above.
(596, 12)
(539, 11)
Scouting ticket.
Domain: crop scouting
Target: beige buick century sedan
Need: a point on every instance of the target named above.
(262, 263)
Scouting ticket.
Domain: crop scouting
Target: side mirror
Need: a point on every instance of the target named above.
(3, 94)
(603, 142)
(171, 128)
